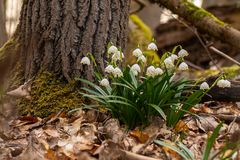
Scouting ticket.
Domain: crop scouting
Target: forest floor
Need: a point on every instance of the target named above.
(90, 134)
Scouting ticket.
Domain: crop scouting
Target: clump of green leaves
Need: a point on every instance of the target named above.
(137, 93)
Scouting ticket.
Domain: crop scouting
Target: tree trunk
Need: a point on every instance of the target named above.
(54, 35)
(3, 32)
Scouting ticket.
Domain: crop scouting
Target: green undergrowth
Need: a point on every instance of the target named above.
(49, 95)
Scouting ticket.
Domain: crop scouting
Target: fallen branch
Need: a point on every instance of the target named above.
(202, 20)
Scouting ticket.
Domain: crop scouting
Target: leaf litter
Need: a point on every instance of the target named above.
(91, 134)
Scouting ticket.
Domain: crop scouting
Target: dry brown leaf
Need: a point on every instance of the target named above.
(181, 126)
(168, 151)
(140, 136)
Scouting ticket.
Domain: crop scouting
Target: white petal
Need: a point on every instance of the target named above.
(151, 71)
(152, 46)
(183, 66)
(168, 63)
(204, 86)
(142, 58)
(137, 52)
(109, 69)
(85, 60)
(182, 53)
(158, 71)
(112, 50)
(104, 82)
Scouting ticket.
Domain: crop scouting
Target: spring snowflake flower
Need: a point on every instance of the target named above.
(174, 57)
(117, 56)
(85, 60)
(104, 82)
(223, 83)
(137, 52)
(109, 69)
(168, 63)
(152, 46)
(182, 53)
(204, 86)
(158, 71)
(183, 66)
(135, 69)
(112, 50)
(117, 72)
(142, 58)
(151, 71)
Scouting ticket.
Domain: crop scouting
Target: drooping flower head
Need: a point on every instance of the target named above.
(135, 69)
(182, 53)
(104, 82)
(204, 86)
(183, 66)
(142, 58)
(223, 83)
(112, 50)
(174, 57)
(109, 69)
(158, 71)
(137, 52)
(117, 56)
(151, 71)
(117, 72)
(85, 61)
(152, 46)
(168, 63)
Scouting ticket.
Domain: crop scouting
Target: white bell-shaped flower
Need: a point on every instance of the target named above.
(183, 66)
(117, 56)
(137, 52)
(158, 71)
(142, 58)
(112, 50)
(223, 83)
(168, 63)
(109, 69)
(85, 60)
(104, 82)
(152, 46)
(174, 57)
(204, 86)
(182, 53)
(117, 72)
(151, 71)
(135, 69)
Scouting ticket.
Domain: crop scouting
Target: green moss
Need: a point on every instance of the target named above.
(199, 13)
(230, 72)
(50, 95)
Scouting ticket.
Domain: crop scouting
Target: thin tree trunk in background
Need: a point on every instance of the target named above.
(3, 32)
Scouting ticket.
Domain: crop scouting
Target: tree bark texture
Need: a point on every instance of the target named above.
(202, 20)
(56, 34)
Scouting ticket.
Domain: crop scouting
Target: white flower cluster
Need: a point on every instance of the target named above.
(224, 83)
(117, 55)
(152, 71)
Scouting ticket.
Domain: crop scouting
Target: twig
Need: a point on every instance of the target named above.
(224, 55)
(194, 65)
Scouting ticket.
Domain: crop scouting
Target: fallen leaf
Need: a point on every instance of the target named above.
(140, 136)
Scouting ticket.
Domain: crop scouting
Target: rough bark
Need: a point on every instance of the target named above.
(202, 20)
(56, 34)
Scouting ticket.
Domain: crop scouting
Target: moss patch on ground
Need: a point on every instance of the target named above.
(49, 95)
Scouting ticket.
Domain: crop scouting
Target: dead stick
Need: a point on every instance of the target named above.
(224, 55)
